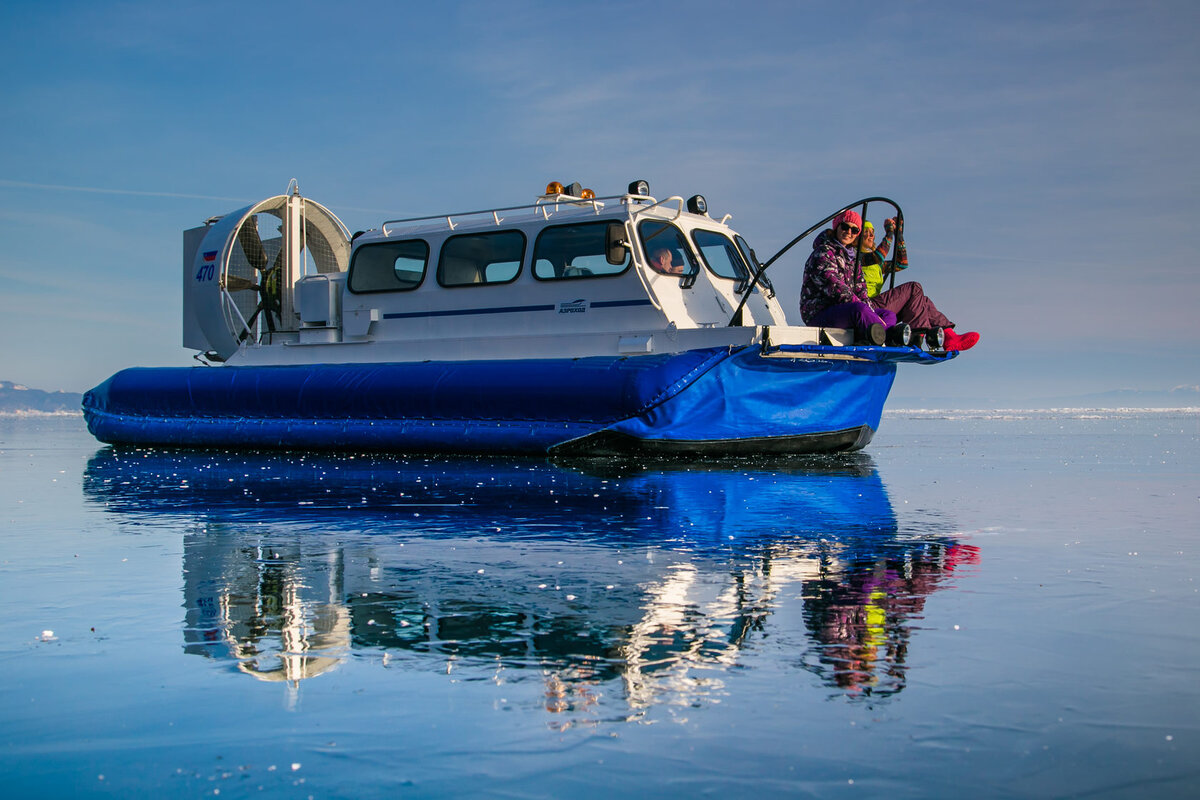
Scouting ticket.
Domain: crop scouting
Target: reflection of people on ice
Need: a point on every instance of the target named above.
(859, 616)
(835, 291)
(574, 694)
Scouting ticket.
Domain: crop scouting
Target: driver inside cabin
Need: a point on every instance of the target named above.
(661, 260)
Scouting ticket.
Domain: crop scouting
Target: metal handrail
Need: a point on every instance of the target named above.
(543, 203)
(596, 203)
(678, 212)
(762, 268)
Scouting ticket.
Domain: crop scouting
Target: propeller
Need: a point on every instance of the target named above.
(267, 286)
(255, 285)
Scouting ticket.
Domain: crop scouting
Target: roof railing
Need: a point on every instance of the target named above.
(547, 205)
(661, 204)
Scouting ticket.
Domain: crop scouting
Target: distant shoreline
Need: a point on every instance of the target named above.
(1051, 410)
(33, 412)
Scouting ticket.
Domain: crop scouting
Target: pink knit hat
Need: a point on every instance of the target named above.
(848, 216)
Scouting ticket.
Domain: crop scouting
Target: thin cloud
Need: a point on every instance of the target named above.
(108, 190)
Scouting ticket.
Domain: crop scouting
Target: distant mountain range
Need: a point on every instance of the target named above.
(15, 398)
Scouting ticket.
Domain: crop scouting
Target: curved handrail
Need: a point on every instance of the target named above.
(762, 268)
(660, 203)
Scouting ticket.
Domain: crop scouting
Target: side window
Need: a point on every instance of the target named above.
(574, 251)
(388, 266)
(481, 258)
(720, 254)
(666, 250)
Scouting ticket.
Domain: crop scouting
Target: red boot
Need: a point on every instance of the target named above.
(960, 342)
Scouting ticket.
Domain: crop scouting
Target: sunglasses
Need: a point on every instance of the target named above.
(848, 228)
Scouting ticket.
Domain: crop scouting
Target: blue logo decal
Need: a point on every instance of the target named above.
(573, 307)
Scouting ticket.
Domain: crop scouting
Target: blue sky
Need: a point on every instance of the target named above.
(1044, 153)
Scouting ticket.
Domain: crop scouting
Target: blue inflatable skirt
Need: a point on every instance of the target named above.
(715, 401)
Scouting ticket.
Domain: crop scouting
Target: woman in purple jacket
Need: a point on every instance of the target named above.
(834, 294)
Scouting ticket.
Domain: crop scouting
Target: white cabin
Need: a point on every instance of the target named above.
(567, 276)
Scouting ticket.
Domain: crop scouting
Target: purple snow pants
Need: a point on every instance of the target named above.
(858, 316)
(909, 303)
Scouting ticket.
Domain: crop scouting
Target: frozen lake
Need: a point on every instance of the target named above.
(984, 604)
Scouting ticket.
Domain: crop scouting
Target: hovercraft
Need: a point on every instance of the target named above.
(574, 325)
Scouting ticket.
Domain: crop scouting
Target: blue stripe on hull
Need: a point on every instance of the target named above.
(468, 312)
(698, 401)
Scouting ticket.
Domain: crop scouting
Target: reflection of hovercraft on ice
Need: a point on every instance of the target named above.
(257, 607)
(830, 498)
(634, 574)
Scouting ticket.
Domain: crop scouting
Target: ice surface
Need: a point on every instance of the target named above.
(998, 599)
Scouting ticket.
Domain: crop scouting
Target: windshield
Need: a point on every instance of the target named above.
(721, 255)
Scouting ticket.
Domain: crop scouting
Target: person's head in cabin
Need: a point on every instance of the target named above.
(661, 261)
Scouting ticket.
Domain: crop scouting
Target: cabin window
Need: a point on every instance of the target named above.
(574, 251)
(388, 266)
(481, 258)
(658, 237)
(720, 254)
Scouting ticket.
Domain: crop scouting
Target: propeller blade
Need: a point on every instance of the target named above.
(266, 315)
(235, 284)
(251, 243)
